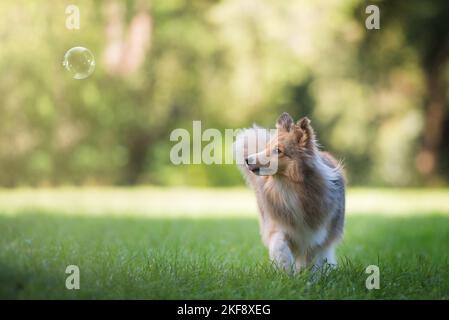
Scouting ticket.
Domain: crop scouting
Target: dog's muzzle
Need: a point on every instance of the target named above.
(252, 166)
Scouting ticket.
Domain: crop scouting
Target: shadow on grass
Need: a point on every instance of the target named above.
(137, 257)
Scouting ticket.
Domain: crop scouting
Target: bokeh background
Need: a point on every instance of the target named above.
(377, 98)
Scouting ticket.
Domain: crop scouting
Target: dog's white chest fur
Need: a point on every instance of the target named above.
(303, 237)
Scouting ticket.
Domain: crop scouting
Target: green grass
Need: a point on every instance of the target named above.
(152, 243)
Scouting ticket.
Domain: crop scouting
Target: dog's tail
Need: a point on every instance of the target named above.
(249, 141)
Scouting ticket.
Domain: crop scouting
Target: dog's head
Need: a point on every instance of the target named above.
(291, 143)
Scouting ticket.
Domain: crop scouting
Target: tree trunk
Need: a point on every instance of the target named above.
(435, 113)
(138, 145)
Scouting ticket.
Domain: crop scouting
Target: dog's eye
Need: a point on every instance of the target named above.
(277, 151)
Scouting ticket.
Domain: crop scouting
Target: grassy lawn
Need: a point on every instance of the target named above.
(152, 243)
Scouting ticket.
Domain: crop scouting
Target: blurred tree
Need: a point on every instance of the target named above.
(377, 98)
(425, 30)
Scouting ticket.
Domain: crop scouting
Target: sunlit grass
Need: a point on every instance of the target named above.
(193, 243)
(210, 203)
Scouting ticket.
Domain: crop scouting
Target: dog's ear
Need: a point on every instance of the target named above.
(304, 123)
(305, 133)
(285, 122)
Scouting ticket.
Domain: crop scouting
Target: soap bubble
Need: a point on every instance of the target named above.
(80, 62)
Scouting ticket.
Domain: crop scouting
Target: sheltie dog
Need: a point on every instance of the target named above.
(302, 202)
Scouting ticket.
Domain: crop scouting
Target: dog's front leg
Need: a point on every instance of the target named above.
(325, 260)
(301, 263)
(280, 252)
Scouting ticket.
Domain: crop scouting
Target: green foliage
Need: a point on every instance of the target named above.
(227, 63)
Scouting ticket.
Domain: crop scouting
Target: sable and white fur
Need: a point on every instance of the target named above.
(302, 204)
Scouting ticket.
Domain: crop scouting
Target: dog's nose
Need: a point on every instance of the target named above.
(246, 161)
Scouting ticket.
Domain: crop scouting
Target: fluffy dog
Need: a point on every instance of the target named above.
(300, 193)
